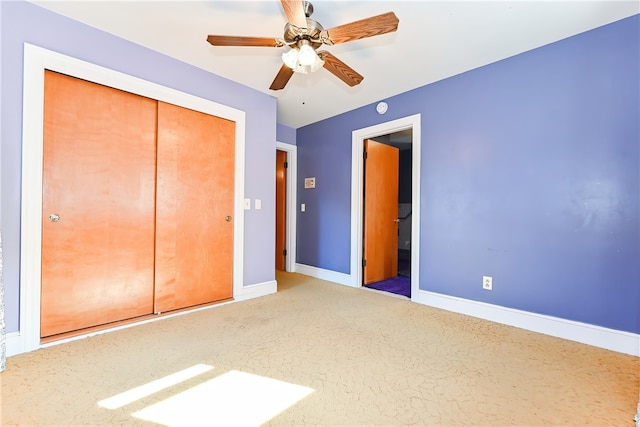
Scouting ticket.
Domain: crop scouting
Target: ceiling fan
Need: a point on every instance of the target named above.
(304, 36)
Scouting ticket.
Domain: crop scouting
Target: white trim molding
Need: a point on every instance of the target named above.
(610, 339)
(357, 182)
(257, 290)
(14, 344)
(36, 61)
(292, 200)
(322, 274)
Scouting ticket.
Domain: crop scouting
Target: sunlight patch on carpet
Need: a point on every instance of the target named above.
(137, 393)
(234, 398)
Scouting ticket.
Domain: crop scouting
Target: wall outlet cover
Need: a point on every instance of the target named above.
(310, 182)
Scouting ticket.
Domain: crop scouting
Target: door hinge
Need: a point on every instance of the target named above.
(284, 252)
(286, 165)
(364, 155)
(364, 262)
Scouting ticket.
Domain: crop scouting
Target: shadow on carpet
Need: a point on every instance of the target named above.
(399, 285)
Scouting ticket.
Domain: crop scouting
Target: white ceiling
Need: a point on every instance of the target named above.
(435, 40)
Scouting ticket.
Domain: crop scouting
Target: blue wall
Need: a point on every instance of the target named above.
(530, 174)
(285, 134)
(24, 22)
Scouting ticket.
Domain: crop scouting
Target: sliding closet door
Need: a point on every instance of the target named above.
(98, 205)
(195, 194)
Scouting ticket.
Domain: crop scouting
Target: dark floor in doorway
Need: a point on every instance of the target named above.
(404, 267)
(399, 285)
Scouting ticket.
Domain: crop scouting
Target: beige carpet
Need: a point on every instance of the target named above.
(317, 353)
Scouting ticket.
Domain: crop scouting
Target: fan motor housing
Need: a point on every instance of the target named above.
(293, 34)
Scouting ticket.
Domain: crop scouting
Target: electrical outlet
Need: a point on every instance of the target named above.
(487, 283)
(310, 182)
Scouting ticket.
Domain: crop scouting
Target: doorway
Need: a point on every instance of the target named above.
(411, 126)
(281, 209)
(286, 231)
(387, 213)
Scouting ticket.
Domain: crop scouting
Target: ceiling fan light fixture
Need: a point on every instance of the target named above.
(304, 35)
(290, 58)
(307, 54)
(317, 64)
(303, 59)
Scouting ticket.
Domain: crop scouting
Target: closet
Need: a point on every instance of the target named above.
(137, 206)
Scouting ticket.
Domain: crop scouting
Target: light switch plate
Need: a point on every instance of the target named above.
(258, 204)
(247, 204)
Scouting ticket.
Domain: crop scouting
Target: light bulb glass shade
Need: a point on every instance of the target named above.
(290, 58)
(303, 59)
(317, 64)
(307, 55)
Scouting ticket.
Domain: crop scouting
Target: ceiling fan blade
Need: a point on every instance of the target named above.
(282, 78)
(340, 69)
(244, 41)
(368, 27)
(294, 9)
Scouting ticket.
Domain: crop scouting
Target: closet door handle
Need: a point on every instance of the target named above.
(54, 217)
(227, 218)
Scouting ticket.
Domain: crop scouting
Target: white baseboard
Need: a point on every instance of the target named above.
(14, 344)
(257, 290)
(610, 339)
(319, 273)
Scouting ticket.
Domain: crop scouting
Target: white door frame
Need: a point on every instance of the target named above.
(357, 145)
(291, 202)
(36, 61)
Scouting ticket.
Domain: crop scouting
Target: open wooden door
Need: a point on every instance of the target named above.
(380, 212)
(194, 220)
(98, 205)
(281, 208)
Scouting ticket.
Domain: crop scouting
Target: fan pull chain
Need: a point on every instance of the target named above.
(304, 84)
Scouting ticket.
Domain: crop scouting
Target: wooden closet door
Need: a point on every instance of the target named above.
(99, 180)
(195, 195)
